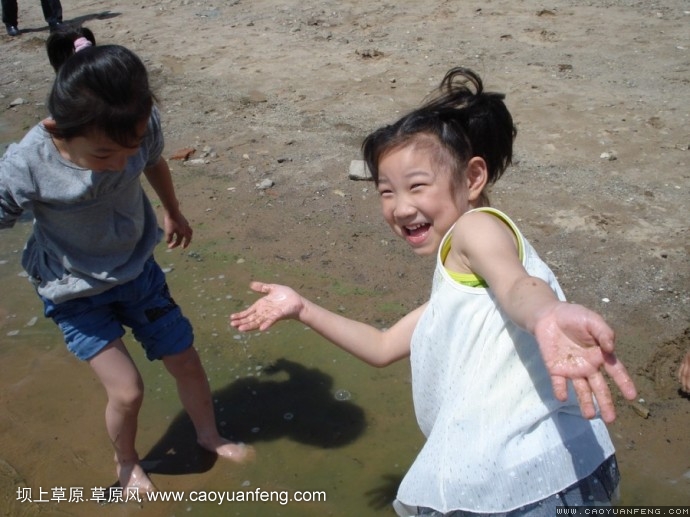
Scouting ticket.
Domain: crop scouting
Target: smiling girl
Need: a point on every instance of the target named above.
(500, 362)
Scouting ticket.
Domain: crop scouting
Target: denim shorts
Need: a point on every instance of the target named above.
(600, 488)
(144, 305)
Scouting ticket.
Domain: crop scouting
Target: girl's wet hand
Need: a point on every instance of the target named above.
(578, 345)
(280, 302)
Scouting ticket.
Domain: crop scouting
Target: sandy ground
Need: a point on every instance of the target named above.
(284, 91)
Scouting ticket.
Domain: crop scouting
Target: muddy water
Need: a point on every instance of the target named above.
(320, 421)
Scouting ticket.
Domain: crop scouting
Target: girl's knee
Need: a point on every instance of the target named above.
(128, 397)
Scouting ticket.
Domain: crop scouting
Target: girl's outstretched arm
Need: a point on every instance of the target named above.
(575, 342)
(175, 225)
(371, 345)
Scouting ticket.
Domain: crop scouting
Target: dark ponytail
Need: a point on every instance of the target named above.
(463, 119)
(483, 116)
(102, 88)
(60, 44)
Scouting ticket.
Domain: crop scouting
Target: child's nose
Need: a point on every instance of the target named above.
(404, 209)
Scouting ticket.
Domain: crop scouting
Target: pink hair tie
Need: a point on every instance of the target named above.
(81, 44)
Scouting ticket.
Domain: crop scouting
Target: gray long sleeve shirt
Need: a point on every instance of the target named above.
(91, 230)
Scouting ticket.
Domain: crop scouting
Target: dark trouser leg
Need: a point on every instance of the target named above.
(52, 11)
(9, 12)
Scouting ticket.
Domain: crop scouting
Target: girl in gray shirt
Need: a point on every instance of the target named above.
(90, 255)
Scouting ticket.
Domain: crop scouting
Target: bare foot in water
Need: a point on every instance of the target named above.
(237, 452)
(133, 478)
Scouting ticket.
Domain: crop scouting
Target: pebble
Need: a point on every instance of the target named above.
(359, 170)
(265, 184)
(196, 161)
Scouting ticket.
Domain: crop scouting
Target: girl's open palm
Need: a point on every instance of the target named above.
(279, 303)
(575, 344)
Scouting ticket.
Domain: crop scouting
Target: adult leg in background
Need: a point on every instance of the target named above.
(52, 12)
(10, 15)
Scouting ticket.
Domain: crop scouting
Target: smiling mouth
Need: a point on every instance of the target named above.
(417, 233)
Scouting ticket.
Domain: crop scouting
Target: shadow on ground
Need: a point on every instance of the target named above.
(77, 21)
(300, 407)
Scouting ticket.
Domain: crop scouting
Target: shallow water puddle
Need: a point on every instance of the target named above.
(321, 421)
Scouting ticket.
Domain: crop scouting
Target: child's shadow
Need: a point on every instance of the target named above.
(300, 407)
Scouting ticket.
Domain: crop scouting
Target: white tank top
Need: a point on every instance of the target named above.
(497, 438)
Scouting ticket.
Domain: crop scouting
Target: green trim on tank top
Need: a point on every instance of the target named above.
(470, 279)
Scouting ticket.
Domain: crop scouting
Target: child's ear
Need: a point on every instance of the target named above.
(49, 124)
(476, 177)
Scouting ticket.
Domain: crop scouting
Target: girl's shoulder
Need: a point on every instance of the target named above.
(155, 119)
(483, 211)
(479, 220)
(33, 145)
(154, 141)
(484, 231)
(37, 136)
(26, 164)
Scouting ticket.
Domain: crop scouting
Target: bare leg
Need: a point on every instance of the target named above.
(195, 394)
(124, 387)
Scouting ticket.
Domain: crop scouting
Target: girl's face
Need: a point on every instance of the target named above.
(97, 152)
(419, 201)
